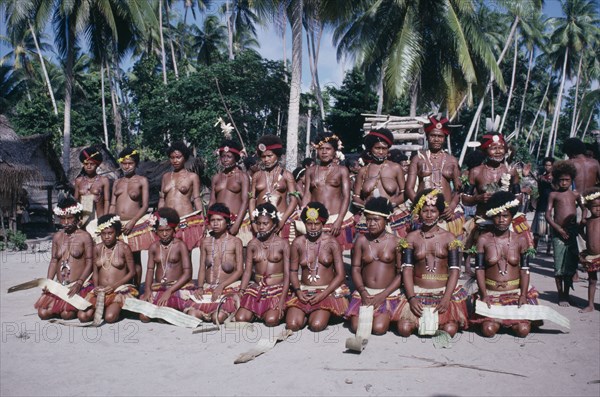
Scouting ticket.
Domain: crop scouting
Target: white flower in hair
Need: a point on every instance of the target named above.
(497, 210)
(72, 210)
(226, 128)
(340, 155)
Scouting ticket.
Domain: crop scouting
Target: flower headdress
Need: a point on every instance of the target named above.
(226, 128)
(495, 211)
(590, 197)
(108, 223)
(326, 140)
(162, 221)
(312, 214)
(127, 156)
(273, 214)
(429, 199)
(72, 210)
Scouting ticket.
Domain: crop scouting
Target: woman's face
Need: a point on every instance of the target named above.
(69, 222)
(218, 224)
(502, 220)
(269, 159)
(380, 150)
(128, 166)
(227, 159)
(90, 167)
(264, 226)
(109, 236)
(165, 234)
(429, 214)
(375, 224)
(435, 139)
(548, 167)
(496, 151)
(326, 152)
(177, 160)
(313, 228)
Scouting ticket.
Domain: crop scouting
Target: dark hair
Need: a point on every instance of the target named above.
(128, 152)
(563, 168)
(180, 147)
(379, 204)
(397, 156)
(323, 213)
(169, 214)
(371, 140)
(115, 225)
(592, 147)
(269, 140)
(351, 159)
(231, 144)
(328, 137)
(220, 207)
(90, 153)
(573, 147)
(548, 159)
(68, 201)
(474, 159)
(271, 209)
(499, 199)
(298, 173)
(440, 204)
(307, 162)
(250, 161)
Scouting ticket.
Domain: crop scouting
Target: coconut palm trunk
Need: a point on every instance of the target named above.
(162, 42)
(512, 83)
(573, 117)
(295, 86)
(44, 70)
(104, 123)
(66, 152)
(556, 117)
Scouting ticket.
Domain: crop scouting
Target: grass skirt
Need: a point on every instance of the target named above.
(457, 309)
(207, 307)
(260, 298)
(57, 305)
(506, 298)
(591, 263)
(141, 236)
(336, 303)
(128, 291)
(191, 230)
(389, 306)
(178, 299)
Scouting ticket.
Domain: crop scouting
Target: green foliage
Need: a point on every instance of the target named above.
(16, 241)
(351, 99)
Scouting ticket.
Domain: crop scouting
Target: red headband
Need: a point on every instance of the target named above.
(435, 124)
(224, 215)
(89, 157)
(385, 138)
(488, 139)
(230, 149)
(158, 220)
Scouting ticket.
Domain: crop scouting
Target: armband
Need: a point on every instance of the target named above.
(407, 257)
(525, 262)
(250, 195)
(479, 261)
(454, 259)
(410, 297)
(515, 188)
(295, 194)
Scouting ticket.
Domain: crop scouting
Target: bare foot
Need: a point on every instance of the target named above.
(587, 309)
(564, 303)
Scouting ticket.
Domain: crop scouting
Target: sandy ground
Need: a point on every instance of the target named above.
(132, 358)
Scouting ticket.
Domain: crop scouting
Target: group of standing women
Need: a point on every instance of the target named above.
(271, 252)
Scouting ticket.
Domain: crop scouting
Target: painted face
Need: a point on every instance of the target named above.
(177, 160)
(265, 227)
(548, 167)
(128, 167)
(429, 214)
(227, 159)
(313, 228)
(496, 152)
(326, 152)
(90, 167)
(502, 220)
(269, 159)
(375, 224)
(165, 234)
(435, 139)
(109, 236)
(380, 151)
(69, 222)
(594, 207)
(564, 182)
(218, 224)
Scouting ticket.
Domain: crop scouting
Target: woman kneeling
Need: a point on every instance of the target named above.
(430, 271)
(319, 290)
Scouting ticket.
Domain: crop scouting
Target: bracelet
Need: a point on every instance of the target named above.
(411, 297)
(407, 265)
(454, 267)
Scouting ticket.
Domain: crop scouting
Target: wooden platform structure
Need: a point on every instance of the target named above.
(409, 135)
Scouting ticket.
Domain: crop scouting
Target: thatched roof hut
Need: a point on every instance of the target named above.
(27, 164)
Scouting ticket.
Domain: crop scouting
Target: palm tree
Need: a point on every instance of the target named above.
(571, 35)
(241, 15)
(295, 17)
(209, 42)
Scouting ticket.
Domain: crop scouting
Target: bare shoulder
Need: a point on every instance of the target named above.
(237, 241)
(122, 246)
(330, 242)
(412, 236)
(85, 236)
(298, 242)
